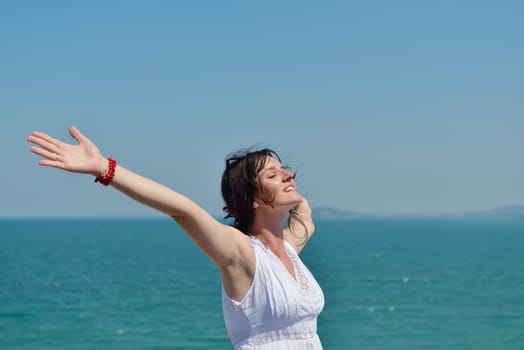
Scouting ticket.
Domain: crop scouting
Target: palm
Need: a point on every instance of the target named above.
(80, 157)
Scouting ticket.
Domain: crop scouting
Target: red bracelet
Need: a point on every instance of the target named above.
(106, 178)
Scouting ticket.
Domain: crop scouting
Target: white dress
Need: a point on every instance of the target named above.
(278, 312)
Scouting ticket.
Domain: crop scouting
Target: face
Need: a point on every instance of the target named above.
(278, 185)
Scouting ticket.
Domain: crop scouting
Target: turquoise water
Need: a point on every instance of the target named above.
(142, 284)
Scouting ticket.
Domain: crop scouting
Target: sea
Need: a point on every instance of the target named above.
(389, 284)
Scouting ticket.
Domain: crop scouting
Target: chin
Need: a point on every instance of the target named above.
(292, 204)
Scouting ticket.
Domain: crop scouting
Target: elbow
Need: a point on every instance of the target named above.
(178, 218)
(311, 227)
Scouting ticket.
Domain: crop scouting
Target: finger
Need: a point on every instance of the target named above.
(43, 143)
(53, 156)
(76, 134)
(51, 163)
(47, 138)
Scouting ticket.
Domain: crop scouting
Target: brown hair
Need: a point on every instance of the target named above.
(240, 185)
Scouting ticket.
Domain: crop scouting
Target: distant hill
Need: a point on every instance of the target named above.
(515, 211)
(333, 213)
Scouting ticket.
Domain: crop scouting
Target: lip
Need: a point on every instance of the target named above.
(289, 188)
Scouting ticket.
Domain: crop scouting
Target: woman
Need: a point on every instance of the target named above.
(269, 298)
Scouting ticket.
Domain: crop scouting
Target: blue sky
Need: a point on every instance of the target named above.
(381, 106)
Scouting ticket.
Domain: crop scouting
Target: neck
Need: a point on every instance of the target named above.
(269, 230)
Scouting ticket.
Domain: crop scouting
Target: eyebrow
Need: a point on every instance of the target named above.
(274, 168)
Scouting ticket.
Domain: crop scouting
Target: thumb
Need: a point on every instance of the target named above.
(76, 134)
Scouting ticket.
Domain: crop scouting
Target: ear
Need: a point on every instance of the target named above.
(255, 205)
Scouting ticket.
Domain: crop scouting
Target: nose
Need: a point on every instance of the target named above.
(288, 175)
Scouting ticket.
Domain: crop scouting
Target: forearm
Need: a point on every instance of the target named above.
(150, 193)
(306, 214)
(304, 210)
(301, 226)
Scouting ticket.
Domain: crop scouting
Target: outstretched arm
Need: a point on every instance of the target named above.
(220, 242)
(301, 227)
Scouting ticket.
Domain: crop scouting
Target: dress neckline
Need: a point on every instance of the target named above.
(300, 279)
(274, 256)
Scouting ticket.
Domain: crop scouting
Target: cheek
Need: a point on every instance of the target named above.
(267, 190)
(271, 186)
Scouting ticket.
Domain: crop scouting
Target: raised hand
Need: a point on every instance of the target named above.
(83, 157)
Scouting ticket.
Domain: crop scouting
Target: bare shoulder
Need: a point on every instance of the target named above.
(239, 239)
(246, 256)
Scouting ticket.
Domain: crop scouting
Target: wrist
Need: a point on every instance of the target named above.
(102, 167)
(106, 176)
